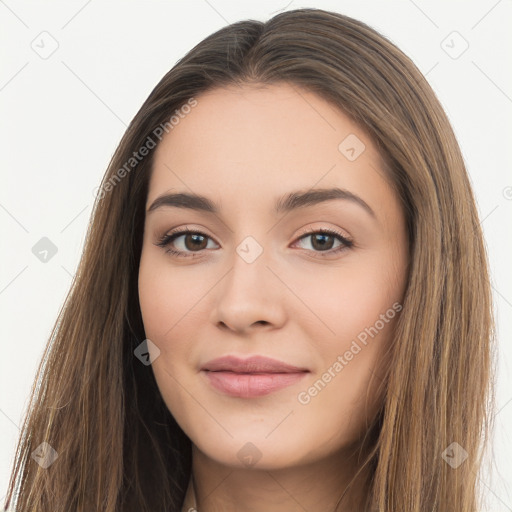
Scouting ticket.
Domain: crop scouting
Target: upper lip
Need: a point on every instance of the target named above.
(253, 364)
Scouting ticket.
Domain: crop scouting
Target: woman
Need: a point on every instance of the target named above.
(328, 345)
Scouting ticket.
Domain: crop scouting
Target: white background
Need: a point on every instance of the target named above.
(63, 116)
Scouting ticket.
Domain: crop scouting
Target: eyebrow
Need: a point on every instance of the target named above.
(289, 202)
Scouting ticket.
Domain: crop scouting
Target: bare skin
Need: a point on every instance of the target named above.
(301, 300)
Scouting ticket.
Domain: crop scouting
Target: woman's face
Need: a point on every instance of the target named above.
(297, 253)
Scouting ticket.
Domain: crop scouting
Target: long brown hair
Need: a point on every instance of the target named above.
(98, 406)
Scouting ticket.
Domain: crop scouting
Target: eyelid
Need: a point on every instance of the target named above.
(331, 231)
(183, 230)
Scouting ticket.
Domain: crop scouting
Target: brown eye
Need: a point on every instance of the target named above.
(322, 242)
(195, 241)
(185, 243)
(325, 241)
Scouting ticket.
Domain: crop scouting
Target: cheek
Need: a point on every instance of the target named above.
(170, 307)
(167, 324)
(345, 392)
(358, 309)
(168, 298)
(343, 302)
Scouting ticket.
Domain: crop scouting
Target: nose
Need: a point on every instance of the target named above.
(249, 297)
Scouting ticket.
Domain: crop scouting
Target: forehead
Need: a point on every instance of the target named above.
(262, 141)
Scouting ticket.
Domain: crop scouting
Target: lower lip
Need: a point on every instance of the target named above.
(247, 385)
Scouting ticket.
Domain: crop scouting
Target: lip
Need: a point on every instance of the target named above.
(253, 364)
(251, 377)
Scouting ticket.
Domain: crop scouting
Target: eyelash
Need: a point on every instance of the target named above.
(168, 238)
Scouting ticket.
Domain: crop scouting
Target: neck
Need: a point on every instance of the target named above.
(313, 487)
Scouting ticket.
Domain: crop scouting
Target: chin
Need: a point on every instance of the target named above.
(255, 452)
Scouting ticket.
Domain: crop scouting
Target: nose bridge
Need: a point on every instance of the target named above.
(249, 275)
(250, 292)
